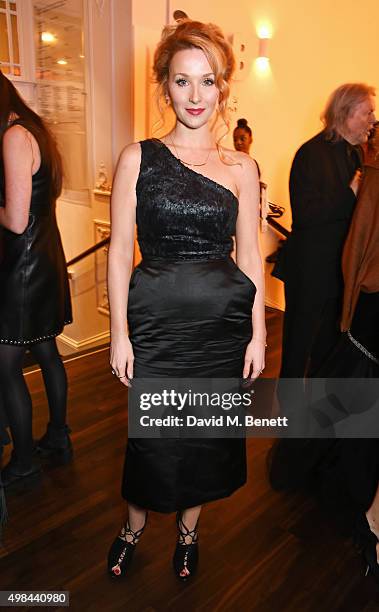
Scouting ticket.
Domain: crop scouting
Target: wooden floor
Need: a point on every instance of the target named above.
(260, 550)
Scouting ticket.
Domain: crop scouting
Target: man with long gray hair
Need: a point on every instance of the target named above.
(324, 182)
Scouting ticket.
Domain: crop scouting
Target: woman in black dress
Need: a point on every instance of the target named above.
(191, 311)
(35, 299)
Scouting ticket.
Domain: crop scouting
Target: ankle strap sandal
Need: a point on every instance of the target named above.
(121, 552)
(186, 555)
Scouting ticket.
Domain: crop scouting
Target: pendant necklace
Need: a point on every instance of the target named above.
(188, 163)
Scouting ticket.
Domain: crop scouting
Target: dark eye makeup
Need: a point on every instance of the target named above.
(181, 81)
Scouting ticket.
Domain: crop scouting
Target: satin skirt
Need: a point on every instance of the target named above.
(187, 319)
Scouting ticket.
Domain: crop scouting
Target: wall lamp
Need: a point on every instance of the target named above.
(263, 60)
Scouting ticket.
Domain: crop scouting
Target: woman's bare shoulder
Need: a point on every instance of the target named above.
(237, 158)
(241, 164)
(17, 135)
(131, 154)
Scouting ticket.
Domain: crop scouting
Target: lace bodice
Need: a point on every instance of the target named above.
(181, 214)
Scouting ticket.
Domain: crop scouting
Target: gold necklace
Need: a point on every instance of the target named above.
(188, 163)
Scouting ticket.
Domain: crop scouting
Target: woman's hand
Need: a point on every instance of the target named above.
(254, 359)
(122, 358)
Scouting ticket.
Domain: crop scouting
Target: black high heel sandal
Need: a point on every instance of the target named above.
(366, 542)
(186, 556)
(121, 552)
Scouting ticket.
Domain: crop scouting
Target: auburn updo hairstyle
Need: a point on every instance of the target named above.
(188, 34)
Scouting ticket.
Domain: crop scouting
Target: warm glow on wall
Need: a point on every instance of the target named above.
(62, 62)
(262, 64)
(264, 30)
(47, 37)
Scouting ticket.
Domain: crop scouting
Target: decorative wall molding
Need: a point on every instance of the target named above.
(100, 192)
(102, 230)
(100, 7)
(95, 340)
(103, 302)
(102, 185)
(233, 104)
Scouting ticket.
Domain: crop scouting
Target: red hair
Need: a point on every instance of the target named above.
(209, 38)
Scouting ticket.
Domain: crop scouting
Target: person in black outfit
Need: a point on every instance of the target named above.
(191, 311)
(324, 182)
(344, 471)
(347, 474)
(35, 300)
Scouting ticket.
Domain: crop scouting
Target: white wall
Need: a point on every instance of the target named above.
(108, 49)
(315, 47)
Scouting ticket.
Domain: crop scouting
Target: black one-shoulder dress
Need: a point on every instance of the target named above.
(189, 315)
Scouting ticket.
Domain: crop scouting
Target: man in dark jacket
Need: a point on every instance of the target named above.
(324, 182)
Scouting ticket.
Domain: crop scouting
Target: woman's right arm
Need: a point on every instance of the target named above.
(120, 258)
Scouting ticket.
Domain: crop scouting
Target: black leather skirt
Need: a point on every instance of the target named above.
(187, 319)
(35, 301)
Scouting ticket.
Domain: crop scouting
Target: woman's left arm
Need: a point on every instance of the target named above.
(18, 165)
(249, 260)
